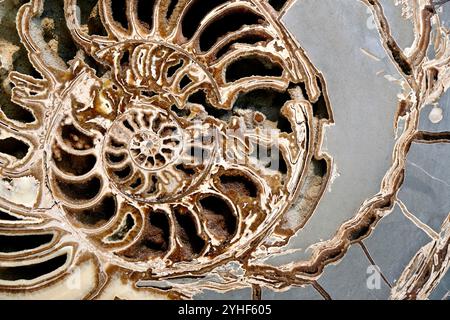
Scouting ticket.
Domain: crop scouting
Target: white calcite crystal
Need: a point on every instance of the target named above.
(21, 191)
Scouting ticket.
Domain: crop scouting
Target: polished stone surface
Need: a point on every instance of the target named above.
(294, 293)
(353, 142)
(426, 189)
(393, 244)
(351, 278)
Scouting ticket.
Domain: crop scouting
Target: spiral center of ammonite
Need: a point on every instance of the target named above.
(151, 151)
(148, 155)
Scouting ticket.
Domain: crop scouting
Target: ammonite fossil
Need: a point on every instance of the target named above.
(161, 147)
(169, 144)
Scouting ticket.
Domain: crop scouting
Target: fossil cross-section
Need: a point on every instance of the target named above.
(247, 148)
